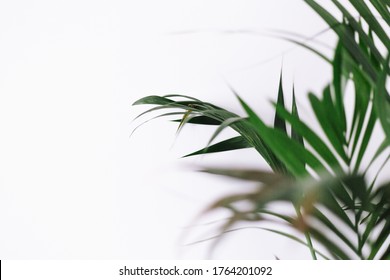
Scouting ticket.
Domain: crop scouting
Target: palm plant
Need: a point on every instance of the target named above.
(337, 206)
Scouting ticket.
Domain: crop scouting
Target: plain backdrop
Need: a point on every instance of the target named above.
(73, 183)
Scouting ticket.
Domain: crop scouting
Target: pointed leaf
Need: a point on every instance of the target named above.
(265, 177)
(371, 20)
(227, 145)
(312, 138)
(294, 112)
(322, 118)
(346, 38)
(280, 122)
(381, 99)
(382, 9)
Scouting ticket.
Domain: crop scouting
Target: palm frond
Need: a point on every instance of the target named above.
(322, 177)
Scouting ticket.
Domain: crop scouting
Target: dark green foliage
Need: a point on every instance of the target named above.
(336, 203)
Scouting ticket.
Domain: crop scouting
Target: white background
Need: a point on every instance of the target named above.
(73, 184)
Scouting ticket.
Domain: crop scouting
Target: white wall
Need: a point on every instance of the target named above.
(72, 182)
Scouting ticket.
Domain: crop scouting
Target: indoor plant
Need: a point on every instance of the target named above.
(335, 204)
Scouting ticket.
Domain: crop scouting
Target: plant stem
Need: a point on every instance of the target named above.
(307, 235)
(359, 239)
(308, 240)
(357, 215)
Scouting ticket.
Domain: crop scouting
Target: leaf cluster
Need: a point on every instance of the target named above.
(325, 179)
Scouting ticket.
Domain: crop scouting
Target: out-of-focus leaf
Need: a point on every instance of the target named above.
(366, 137)
(386, 254)
(306, 46)
(316, 177)
(330, 202)
(380, 240)
(312, 138)
(362, 35)
(346, 38)
(249, 174)
(382, 147)
(292, 237)
(321, 115)
(331, 226)
(332, 247)
(382, 100)
(338, 81)
(278, 142)
(294, 112)
(372, 219)
(334, 119)
(382, 9)
(362, 98)
(371, 20)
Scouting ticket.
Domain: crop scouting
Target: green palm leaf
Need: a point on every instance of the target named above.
(320, 177)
